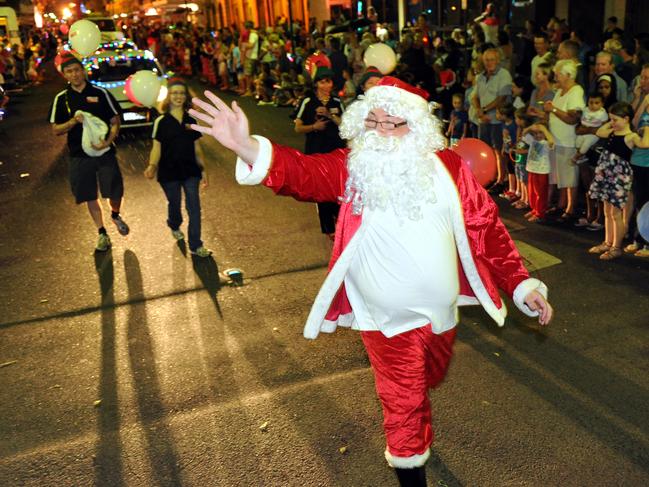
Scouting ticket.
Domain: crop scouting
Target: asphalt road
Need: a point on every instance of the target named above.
(144, 366)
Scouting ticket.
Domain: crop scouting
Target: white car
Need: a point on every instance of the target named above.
(107, 27)
(109, 70)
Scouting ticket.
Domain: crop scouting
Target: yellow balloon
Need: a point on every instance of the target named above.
(84, 37)
(145, 87)
(381, 56)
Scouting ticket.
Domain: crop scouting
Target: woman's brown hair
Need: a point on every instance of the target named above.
(170, 84)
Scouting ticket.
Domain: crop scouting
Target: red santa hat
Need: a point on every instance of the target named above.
(398, 98)
(447, 78)
(64, 59)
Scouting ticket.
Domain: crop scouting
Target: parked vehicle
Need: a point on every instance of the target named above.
(108, 28)
(110, 69)
(9, 25)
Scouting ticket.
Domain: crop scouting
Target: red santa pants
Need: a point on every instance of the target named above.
(405, 367)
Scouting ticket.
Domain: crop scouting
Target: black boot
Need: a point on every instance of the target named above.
(411, 477)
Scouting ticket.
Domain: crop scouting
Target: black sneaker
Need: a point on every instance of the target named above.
(121, 225)
(496, 188)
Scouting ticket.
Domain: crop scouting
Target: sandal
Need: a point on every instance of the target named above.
(600, 249)
(528, 214)
(565, 217)
(613, 253)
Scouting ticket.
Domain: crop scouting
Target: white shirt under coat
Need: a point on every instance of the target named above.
(404, 273)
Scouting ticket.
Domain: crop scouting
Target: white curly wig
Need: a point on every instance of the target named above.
(399, 103)
(390, 171)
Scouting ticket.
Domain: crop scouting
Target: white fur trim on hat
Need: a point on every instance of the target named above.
(396, 101)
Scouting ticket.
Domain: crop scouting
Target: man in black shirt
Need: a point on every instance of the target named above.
(80, 99)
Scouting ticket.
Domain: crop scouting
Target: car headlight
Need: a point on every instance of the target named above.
(163, 93)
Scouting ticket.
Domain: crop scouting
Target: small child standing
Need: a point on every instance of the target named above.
(348, 93)
(469, 84)
(505, 114)
(593, 117)
(459, 123)
(519, 155)
(614, 176)
(538, 171)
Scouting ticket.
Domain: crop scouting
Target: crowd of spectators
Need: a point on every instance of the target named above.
(543, 98)
(513, 90)
(21, 63)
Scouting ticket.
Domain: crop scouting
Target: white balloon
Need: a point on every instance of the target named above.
(145, 86)
(84, 37)
(381, 56)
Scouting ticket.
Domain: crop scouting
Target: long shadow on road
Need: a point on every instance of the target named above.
(108, 465)
(604, 387)
(162, 451)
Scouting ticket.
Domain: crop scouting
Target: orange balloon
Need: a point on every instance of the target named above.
(481, 158)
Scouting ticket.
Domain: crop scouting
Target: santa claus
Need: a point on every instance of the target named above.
(416, 238)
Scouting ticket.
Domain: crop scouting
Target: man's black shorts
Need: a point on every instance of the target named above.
(85, 172)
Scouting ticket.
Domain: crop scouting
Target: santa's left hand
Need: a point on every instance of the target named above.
(536, 302)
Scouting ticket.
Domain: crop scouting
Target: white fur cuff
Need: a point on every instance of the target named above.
(255, 174)
(523, 289)
(407, 462)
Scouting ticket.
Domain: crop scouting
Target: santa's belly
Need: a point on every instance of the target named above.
(404, 274)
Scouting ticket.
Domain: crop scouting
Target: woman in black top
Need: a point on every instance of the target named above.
(176, 156)
(318, 118)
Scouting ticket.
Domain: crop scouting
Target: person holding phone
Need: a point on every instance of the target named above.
(318, 118)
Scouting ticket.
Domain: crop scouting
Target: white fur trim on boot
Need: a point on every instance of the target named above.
(407, 462)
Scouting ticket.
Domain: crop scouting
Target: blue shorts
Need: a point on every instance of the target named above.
(521, 172)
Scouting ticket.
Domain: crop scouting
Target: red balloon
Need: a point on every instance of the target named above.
(480, 157)
(129, 91)
(316, 60)
(64, 28)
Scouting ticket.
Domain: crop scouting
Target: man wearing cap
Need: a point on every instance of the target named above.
(81, 99)
(370, 77)
(417, 237)
(318, 118)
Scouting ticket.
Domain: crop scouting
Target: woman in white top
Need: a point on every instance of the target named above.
(564, 115)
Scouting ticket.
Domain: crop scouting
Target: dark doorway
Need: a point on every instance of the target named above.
(636, 19)
(538, 11)
(587, 16)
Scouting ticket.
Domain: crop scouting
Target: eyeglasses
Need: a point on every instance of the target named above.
(372, 124)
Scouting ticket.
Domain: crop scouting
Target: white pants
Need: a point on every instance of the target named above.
(585, 142)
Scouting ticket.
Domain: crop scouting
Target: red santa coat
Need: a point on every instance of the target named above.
(487, 255)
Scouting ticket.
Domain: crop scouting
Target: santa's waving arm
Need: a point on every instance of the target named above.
(228, 125)
(317, 177)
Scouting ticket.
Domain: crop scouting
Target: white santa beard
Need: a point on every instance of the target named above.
(390, 172)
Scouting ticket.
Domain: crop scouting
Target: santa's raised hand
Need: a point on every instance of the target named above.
(228, 125)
